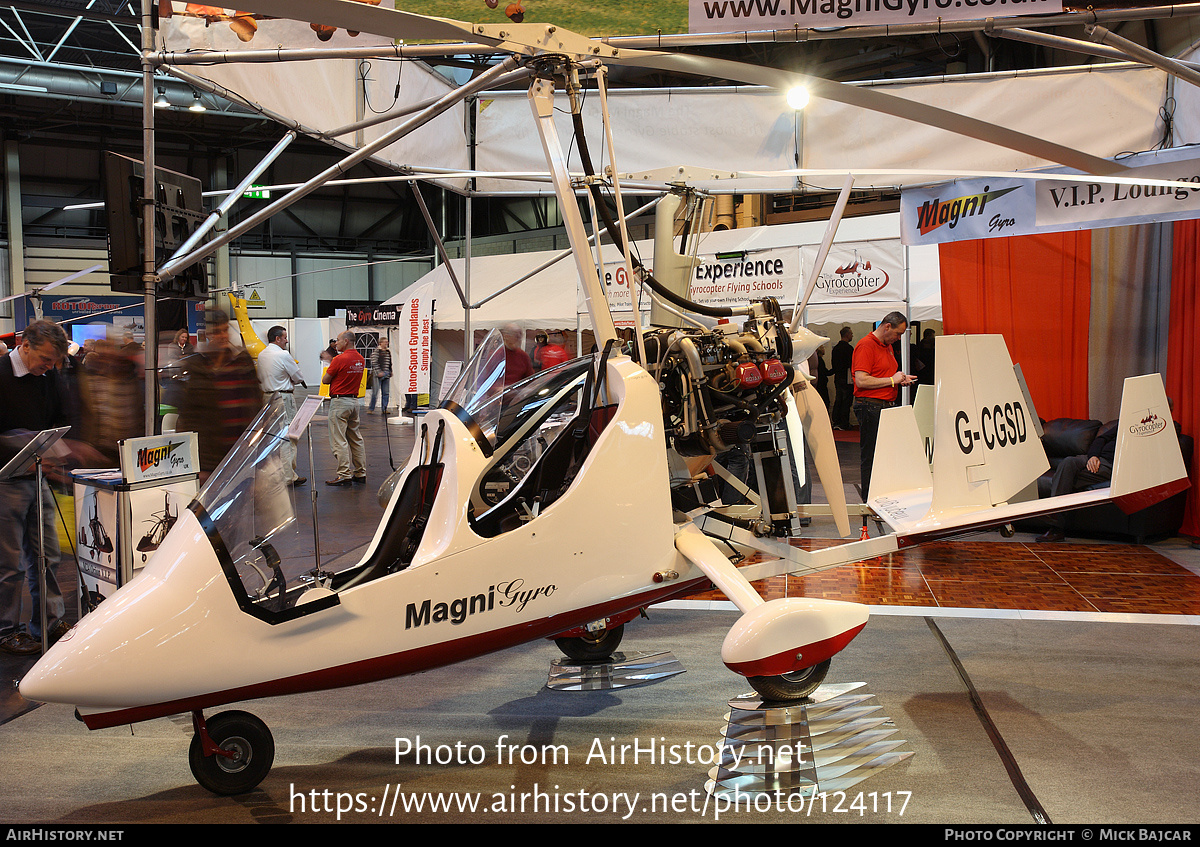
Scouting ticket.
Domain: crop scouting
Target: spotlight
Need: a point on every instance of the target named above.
(797, 98)
(161, 101)
(196, 106)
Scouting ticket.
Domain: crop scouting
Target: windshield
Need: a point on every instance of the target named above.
(531, 415)
(495, 412)
(479, 385)
(249, 513)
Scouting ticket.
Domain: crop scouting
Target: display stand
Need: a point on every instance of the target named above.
(408, 418)
(39, 446)
(826, 743)
(123, 514)
(624, 671)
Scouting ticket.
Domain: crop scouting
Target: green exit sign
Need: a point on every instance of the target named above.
(257, 192)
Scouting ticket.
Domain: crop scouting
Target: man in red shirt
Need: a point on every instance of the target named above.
(877, 379)
(344, 376)
(553, 353)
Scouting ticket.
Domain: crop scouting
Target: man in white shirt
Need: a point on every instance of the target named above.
(279, 374)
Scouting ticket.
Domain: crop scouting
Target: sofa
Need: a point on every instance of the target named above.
(1064, 437)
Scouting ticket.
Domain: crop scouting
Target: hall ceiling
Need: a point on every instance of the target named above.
(86, 52)
(75, 37)
(104, 34)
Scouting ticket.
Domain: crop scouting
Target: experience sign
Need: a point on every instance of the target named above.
(746, 15)
(720, 279)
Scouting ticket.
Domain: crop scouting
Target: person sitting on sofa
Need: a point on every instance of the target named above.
(1078, 473)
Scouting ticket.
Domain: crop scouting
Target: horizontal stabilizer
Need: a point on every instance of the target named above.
(1147, 468)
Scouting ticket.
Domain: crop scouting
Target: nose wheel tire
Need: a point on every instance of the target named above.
(592, 648)
(245, 753)
(790, 687)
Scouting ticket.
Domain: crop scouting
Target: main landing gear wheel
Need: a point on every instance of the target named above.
(790, 686)
(592, 648)
(245, 753)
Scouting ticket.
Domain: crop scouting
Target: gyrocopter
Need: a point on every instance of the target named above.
(563, 505)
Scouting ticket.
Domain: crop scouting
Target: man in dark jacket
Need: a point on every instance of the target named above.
(1078, 473)
(843, 394)
(35, 398)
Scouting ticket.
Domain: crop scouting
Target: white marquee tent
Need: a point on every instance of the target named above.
(550, 300)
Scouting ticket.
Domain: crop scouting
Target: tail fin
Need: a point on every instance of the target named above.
(924, 406)
(906, 468)
(986, 448)
(1148, 466)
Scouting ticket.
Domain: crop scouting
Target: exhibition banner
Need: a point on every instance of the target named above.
(985, 208)
(411, 357)
(754, 15)
(857, 273)
(381, 315)
(720, 279)
(734, 278)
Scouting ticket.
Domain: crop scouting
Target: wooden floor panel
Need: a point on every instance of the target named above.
(1067, 577)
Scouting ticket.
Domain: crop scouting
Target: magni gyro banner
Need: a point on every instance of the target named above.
(985, 208)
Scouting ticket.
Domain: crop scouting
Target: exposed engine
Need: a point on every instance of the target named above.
(720, 385)
(724, 396)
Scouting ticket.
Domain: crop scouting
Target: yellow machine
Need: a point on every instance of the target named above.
(250, 340)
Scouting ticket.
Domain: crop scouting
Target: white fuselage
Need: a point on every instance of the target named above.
(174, 639)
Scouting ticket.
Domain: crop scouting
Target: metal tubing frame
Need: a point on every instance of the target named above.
(441, 247)
(149, 277)
(541, 101)
(230, 199)
(1143, 54)
(445, 102)
(634, 285)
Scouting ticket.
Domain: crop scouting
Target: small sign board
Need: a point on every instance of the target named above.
(172, 454)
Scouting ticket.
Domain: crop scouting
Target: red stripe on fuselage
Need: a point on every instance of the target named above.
(395, 664)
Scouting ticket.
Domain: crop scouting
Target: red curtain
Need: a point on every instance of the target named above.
(1183, 352)
(1035, 290)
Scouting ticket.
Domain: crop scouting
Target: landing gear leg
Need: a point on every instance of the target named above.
(231, 753)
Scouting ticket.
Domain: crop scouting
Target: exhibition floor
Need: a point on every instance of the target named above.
(1030, 683)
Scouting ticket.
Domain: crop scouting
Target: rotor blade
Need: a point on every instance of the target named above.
(534, 39)
(867, 98)
(54, 284)
(377, 20)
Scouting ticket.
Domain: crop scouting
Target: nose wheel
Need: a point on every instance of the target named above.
(790, 687)
(231, 753)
